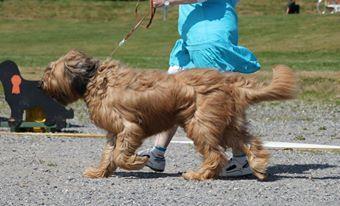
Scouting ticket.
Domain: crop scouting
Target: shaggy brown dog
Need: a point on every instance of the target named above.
(134, 105)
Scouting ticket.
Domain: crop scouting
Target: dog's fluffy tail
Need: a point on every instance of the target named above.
(282, 87)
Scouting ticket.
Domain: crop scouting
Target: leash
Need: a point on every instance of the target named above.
(152, 11)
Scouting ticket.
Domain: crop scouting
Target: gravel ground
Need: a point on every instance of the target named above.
(47, 171)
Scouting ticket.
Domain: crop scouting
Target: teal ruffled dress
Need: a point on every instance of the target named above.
(209, 38)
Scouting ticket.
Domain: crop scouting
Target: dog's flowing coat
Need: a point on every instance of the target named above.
(134, 105)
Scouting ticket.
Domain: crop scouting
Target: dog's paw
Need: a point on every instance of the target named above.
(191, 175)
(94, 173)
(141, 160)
(137, 163)
(260, 176)
(200, 175)
(134, 162)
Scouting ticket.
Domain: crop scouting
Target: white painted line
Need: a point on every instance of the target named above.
(284, 145)
(291, 145)
(181, 142)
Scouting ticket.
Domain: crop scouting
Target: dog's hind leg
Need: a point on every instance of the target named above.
(106, 166)
(126, 145)
(240, 140)
(210, 146)
(258, 157)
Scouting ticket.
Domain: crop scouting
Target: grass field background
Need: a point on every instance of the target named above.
(35, 32)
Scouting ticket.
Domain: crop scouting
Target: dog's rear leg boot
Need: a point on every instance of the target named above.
(124, 153)
(106, 166)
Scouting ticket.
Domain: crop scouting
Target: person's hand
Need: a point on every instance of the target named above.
(158, 3)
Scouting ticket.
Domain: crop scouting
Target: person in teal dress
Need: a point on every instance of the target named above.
(208, 32)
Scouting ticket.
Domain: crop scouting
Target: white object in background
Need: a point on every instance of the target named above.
(291, 145)
(284, 145)
(333, 5)
(165, 9)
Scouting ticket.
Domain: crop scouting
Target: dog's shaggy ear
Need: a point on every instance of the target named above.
(79, 68)
(80, 64)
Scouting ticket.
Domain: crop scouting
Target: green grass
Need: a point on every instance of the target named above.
(35, 32)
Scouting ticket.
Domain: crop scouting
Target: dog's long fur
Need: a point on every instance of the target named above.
(134, 105)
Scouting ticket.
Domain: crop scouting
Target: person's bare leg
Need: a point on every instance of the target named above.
(156, 154)
(163, 139)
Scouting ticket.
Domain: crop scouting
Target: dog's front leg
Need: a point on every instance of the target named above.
(124, 153)
(106, 166)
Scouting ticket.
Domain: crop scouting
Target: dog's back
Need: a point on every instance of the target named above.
(282, 87)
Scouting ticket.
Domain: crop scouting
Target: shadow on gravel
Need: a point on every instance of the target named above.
(147, 175)
(274, 172)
